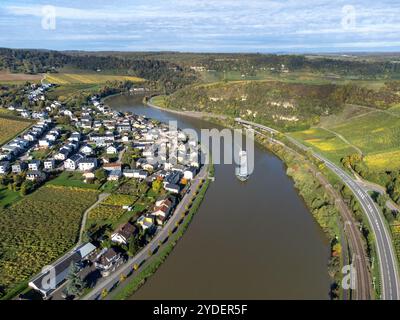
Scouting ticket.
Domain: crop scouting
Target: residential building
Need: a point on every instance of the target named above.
(112, 149)
(124, 233)
(34, 165)
(146, 222)
(190, 173)
(49, 164)
(18, 167)
(72, 163)
(87, 164)
(87, 150)
(114, 175)
(173, 188)
(112, 166)
(61, 270)
(35, 175)
(107, 259)
(4, 167)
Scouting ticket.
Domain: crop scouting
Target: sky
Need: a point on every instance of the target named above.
(297, 26)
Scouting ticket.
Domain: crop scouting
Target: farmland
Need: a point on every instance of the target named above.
(375, 133)
(110, 211)
(327, 143)
(38, 229)
(10, 128)
(11, 78)
(88, 78)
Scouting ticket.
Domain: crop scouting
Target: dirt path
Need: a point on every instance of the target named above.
(343, 139)
(100, 198)
(376, 110)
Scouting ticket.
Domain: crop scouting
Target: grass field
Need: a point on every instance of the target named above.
(72, 179)
(77, 78)
(38, 229)
(9, 128)
(8, 197)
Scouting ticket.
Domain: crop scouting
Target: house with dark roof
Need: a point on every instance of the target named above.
(173, 188)
(18, 167)
(35, 175)
(124, 233)
(34, 165)
(4, 167)
(72, 162)
(51, 278)
(87, 164)
(107, 259)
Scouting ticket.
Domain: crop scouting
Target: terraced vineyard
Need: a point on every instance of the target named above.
(38, 229)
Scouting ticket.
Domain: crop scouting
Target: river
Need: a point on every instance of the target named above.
(252, 240)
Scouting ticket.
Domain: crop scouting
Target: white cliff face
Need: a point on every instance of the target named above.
(285, 118)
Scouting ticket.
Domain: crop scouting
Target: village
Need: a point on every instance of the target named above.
(101, 146)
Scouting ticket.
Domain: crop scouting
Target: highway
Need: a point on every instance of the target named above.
(390, 287)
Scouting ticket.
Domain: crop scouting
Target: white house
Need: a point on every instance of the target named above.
(35, 176)
(137, 174)
(114, 175)
(146, 222)
(18, 167)
(34, 165)
(4, 167)
(87, 150)
(44, 143)
(75, 136)
(87, 164)
(189, 173)
(72, 163)
(49, 164)
(124, 233)
(173, 188)
(62, 154)
(112, 149)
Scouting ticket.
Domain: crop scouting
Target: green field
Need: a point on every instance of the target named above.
(38, 229)
(72, 179)
(7, 197)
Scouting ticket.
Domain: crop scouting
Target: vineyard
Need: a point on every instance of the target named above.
(375, 133)
(39, 229)
(10, 128)
(120, 200)
(324, 142)
(105, 214)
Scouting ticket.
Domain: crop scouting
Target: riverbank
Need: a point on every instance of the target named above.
(193, 114)
(322, 208)
(245, 218)
(127, 290)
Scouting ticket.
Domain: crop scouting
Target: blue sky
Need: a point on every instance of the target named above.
(204, 25)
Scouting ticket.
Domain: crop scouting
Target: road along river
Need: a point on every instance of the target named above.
(251, 240)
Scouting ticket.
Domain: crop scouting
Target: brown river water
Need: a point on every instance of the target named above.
(251, 240)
